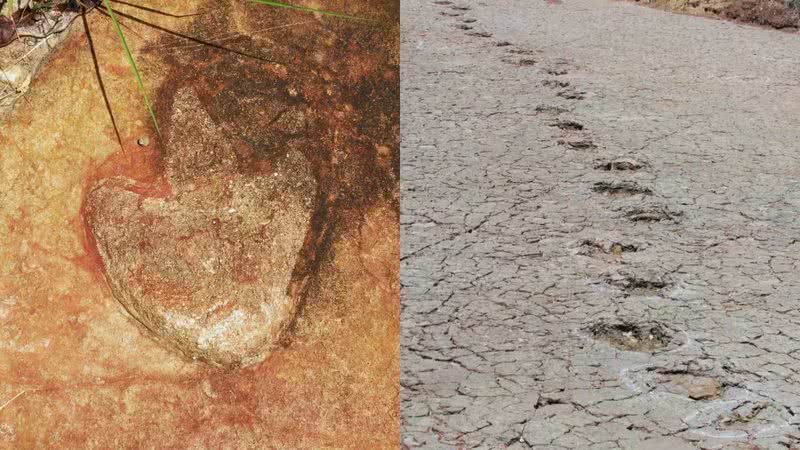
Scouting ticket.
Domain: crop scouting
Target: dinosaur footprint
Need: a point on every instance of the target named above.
(206, 266)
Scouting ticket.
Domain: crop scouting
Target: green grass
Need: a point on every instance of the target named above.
(131, 61)
(307, 9)
(138, 75)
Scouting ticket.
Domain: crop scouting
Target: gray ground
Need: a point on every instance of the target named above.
(600, 228)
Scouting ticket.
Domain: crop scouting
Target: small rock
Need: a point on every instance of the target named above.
(697, 387)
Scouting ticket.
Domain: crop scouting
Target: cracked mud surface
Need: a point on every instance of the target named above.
(529, 298)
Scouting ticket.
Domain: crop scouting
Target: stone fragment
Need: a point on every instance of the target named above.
(695, 387)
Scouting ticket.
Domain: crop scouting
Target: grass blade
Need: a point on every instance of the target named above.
(307, 9)
(132, 63)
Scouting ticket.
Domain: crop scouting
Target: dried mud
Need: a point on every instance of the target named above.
(600, 249)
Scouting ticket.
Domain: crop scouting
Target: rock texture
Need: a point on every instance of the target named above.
(76, 369)
(600, 228)
(205, 260)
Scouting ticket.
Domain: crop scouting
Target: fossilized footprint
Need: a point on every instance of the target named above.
(207, 266)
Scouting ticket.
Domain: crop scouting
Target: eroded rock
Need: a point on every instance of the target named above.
(205, 261)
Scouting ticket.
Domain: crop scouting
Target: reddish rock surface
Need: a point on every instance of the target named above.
(208, 267)
(78, 369)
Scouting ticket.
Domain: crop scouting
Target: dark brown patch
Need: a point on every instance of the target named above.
(334, 96)
(772, 13)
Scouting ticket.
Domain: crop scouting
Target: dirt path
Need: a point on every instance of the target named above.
(599, 228)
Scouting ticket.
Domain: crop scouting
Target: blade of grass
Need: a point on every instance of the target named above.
(307, 9)
(133, 64)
